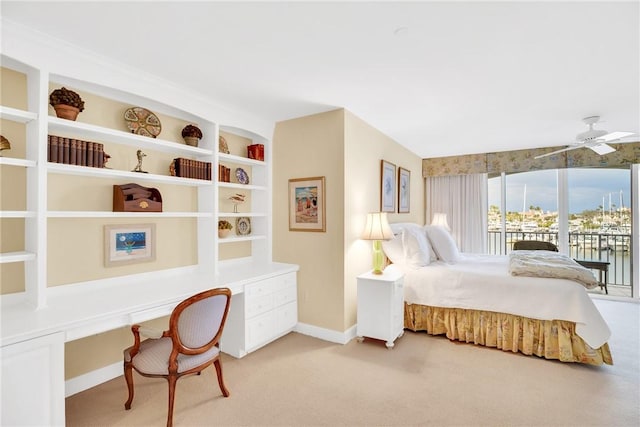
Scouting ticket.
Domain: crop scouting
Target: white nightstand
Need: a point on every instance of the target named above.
(381, 306)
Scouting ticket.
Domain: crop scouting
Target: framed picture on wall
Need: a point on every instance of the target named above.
(129, 244)
(387, 187)
(404, 190)
(307, 204)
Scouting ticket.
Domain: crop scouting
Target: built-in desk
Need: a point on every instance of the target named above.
(33, 340)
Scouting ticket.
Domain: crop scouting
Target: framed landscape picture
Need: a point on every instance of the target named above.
(307, 204)
(404, 190)
(129, 244)
(387, 187)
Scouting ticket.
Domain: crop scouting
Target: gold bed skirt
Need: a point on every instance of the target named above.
(551, 339)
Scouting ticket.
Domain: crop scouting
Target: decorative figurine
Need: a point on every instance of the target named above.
(236, 199)
(4, 144)
(138, 167)
(106, 159)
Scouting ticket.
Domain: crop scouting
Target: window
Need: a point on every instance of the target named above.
(600, 214)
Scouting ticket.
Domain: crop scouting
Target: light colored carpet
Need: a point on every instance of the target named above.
(424, 380)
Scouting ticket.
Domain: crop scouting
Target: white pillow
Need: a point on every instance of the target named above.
(393, 249)
(416, 248)
(421, 236)
(443, 243)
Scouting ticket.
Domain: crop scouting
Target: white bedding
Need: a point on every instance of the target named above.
(483, 282)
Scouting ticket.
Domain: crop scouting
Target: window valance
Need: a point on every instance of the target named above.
(524, 161)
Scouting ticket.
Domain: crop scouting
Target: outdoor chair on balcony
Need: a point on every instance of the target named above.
(534, 245)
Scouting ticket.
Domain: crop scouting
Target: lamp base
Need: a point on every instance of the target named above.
(378, 257)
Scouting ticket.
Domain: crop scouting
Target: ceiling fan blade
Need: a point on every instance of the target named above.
(571, 147)
(602, 148)
(613, 136)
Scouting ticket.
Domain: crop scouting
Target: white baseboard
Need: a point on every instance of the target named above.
(92, 379)
(327, 334)
(109, 372)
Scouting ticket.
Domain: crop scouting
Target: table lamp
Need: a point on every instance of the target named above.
(377, 229)
(441, 220)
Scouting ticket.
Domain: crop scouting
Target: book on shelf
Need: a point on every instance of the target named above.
(224, 174)
(71, 151)
(189, 168)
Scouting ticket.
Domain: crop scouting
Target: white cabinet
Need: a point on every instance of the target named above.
(267, 310)
(381, 306)
(33, 382)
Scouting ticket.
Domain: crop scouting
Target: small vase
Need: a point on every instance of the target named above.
(66, 111)
(223, 232)
(191, 140)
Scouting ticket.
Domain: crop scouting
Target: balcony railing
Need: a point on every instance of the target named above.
(614, 248)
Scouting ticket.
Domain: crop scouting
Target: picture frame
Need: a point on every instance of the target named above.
(387, 186)
(126, 244)
(404, 190)
(307, 204)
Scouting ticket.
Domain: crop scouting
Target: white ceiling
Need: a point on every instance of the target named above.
(440, 78)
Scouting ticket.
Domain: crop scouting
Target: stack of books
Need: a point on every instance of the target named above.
(187, 168)
(72, 151)
(224, 174)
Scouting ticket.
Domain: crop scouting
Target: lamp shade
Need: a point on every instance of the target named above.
(377, 227)
(441, 220)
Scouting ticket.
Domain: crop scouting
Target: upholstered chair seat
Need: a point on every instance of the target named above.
(153, 357)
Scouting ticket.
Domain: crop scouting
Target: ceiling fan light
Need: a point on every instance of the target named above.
(590, 135)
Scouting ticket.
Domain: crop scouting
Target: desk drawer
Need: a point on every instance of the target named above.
(261, 330)
(258, 289)
(285, 296)
(259, 305)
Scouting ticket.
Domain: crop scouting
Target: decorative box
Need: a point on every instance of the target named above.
(136, 198)
(256, 151)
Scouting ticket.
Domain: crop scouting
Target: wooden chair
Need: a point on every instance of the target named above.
(188, 347)
(534, 245)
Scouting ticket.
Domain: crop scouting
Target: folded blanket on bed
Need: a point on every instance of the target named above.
(550, 264)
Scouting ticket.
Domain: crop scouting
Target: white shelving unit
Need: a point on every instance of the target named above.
(39, 124)
(38, 320)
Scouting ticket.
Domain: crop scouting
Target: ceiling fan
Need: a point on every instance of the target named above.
(594, 139)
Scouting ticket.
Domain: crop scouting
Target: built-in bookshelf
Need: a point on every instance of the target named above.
(43, 129)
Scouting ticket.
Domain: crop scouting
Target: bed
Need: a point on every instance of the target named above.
(476, 299)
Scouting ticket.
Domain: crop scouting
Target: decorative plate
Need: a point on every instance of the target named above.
(242, 176)
(142, 122)
(222, 145)
(243, 225)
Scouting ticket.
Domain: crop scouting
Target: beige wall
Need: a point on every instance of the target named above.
(365, 147)
(347, 151)
(309, 147)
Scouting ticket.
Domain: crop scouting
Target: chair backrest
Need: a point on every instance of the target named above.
(534, 245)
(196, 323)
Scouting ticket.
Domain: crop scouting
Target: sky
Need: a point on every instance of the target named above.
(587, 188)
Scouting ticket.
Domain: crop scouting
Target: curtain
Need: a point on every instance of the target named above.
(463, 198)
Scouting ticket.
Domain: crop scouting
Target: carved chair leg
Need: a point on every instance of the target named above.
(128, 376)
(218, 366)
(172, 379)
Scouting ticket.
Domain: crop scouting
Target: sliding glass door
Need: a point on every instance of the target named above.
(588, 213)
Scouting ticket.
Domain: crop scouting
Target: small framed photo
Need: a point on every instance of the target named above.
(404, 190)
(129, 244)
(387, 187)
(307, 204)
